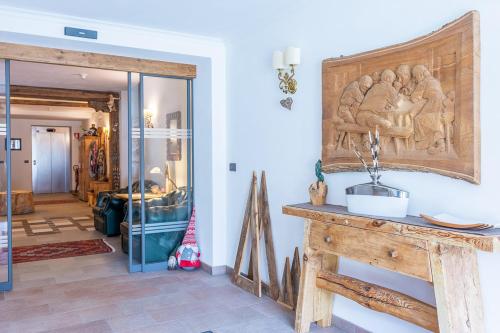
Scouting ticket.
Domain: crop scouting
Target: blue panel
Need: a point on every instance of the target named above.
(142, 172)
(82, 33)
(7, 285)
(129, 172)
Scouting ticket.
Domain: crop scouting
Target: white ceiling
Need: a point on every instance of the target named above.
(215, 18)
(56, 76)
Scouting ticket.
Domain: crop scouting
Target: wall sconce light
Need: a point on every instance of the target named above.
(285, 63)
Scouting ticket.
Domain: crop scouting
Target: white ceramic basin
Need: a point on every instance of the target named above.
(377, 205)
(377, 199)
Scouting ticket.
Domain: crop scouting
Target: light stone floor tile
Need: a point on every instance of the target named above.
(37, 221)
(41, 230)
(62, 222)
(39, 226)
(97, 294)
(79, 218)
(68, 228)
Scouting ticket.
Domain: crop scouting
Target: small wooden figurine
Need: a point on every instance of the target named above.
(318, 189)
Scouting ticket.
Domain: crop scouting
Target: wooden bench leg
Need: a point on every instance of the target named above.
(313, 304)
(456, 287)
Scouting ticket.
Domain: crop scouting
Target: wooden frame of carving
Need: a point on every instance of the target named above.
(423, 96)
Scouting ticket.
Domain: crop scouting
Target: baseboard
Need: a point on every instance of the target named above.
(213, 270)
(344, 325)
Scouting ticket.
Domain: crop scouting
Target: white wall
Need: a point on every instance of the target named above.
(264, 136)
(21, 128)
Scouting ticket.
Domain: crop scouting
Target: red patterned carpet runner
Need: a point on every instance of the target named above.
(59, 250)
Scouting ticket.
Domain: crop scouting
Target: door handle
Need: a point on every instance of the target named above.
(34, 162)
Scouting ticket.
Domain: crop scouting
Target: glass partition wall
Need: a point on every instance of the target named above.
(5, 185)
(160, 168)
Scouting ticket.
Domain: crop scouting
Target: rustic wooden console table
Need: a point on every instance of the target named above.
(445, 257)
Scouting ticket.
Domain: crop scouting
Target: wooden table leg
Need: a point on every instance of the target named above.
(456, 287)
(314, 304)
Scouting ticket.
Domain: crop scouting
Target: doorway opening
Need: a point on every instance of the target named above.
(137, 196)
(70, 153)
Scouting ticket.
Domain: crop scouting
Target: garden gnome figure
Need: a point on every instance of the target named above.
(318, 189)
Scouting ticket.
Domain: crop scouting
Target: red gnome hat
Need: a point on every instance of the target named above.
(190, 235)
(188, 254)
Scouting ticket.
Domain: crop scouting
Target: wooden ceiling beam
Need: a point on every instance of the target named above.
(74, 104)
(94, 60)
(60, 94)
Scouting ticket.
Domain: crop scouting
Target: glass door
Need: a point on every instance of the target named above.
(160, 168)
(5, 184)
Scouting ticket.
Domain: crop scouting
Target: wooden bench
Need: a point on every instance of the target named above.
(395, 133)
(442, 256)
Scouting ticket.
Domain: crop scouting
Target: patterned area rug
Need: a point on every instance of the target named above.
(60, 250)
(52, 225)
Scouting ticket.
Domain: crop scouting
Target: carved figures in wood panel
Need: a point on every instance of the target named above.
(422, 96)
(406, 104)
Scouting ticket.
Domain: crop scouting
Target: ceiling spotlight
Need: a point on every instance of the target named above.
(83, 76)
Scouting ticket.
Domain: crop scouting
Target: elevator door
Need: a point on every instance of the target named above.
(51, 159)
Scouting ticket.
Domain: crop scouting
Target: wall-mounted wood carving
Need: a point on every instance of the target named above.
(422, 95)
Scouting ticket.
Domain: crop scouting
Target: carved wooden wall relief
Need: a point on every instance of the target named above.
(422, 95)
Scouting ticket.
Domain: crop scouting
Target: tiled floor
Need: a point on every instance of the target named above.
(49, 222)
(96, 294)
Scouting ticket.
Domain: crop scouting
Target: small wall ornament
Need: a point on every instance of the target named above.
(318, 190)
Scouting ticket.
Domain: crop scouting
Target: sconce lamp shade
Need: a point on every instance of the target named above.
(155, 170)
(292, 56)
(278, 60)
